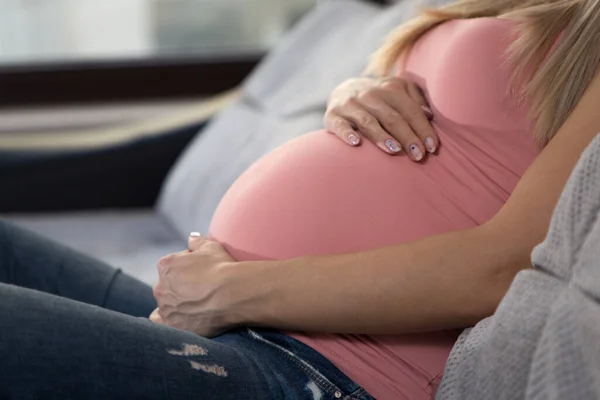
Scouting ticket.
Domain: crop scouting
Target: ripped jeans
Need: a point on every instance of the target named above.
(72, 327)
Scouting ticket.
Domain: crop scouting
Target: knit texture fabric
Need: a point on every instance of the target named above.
(543, 342)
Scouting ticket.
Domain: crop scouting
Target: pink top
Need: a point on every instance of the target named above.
(317, 195)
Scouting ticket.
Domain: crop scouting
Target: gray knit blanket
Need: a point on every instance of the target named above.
(543, 342)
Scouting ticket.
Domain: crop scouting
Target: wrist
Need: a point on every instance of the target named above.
(250, 290)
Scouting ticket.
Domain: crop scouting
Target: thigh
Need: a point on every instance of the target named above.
(35, 262)
(53, 347)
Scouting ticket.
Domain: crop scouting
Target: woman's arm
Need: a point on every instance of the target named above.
(446, 281)
(442, 282)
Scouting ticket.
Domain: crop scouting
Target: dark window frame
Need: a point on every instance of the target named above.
(123, 80)
(118, 81)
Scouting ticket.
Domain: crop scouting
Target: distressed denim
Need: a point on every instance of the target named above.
(72, 327)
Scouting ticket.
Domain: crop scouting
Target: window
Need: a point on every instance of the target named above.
(58, 30)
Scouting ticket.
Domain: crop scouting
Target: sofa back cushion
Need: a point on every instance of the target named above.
(283, 98)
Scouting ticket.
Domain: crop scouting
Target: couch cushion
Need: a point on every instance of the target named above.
(131, 240)
(329, 46)
(284, 98)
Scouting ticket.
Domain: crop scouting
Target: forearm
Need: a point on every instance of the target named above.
(447, 281)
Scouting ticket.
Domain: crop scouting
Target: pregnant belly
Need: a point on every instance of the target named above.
(316, 195)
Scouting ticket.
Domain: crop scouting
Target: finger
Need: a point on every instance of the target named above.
(415, 92)
(154, 314)
(156, 318)
(397, 90)
(165, 263)
(195, 241)
(159, 292)
(369, 126)
(394, 123)
(417, 95)
(414, 116)
(342, 129)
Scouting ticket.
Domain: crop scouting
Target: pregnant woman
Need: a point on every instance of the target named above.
(336, 269)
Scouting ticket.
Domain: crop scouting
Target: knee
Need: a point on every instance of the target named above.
(6, 231)
(10, 236)
(4, 227)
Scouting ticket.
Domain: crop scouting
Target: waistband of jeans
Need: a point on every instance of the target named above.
(312, 363)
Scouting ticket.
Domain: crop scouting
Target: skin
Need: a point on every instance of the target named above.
(392, 113)
(446, 281)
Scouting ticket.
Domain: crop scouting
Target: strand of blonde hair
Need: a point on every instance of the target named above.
(551, 82)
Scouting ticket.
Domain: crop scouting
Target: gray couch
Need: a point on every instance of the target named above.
(284, 98)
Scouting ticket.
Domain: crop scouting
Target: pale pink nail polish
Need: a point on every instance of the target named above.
(353, 139)
(392, 145)
(415, 151)
(429, 142)
(195, 234)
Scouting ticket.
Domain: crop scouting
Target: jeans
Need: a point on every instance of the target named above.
(72, 327)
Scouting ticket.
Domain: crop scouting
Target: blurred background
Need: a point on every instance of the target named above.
(123, 122)
(67, 50)
(79, 78)
(41, 31)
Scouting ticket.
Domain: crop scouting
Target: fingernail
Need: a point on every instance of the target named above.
(392, 145)
(416, 152)
(195, 234)
(353, 139)
(429, 142)
(428, 112)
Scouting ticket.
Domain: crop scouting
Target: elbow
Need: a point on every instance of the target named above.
(498, 284)
(486, 294)
(507, 258)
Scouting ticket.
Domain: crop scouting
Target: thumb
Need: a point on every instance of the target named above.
(195, 241)
(156, 318)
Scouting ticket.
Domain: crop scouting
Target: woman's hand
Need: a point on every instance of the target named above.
(193, 292)
(391, 112)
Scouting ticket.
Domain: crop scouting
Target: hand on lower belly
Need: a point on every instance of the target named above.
(195, 292)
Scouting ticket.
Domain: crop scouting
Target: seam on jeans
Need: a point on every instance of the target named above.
(304, 366)
(14, 259)
(110, 285)
(9, 251)
(358, 368)
(359, 393)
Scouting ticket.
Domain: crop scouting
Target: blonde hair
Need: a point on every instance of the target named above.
(553, 83)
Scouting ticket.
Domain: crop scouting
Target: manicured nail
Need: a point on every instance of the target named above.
(416, 152)
(392, 145)
(195, 234)
(430, 145)
(353, 139)
(428, 112)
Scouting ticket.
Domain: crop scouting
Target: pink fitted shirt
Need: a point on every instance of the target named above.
(316, 195)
